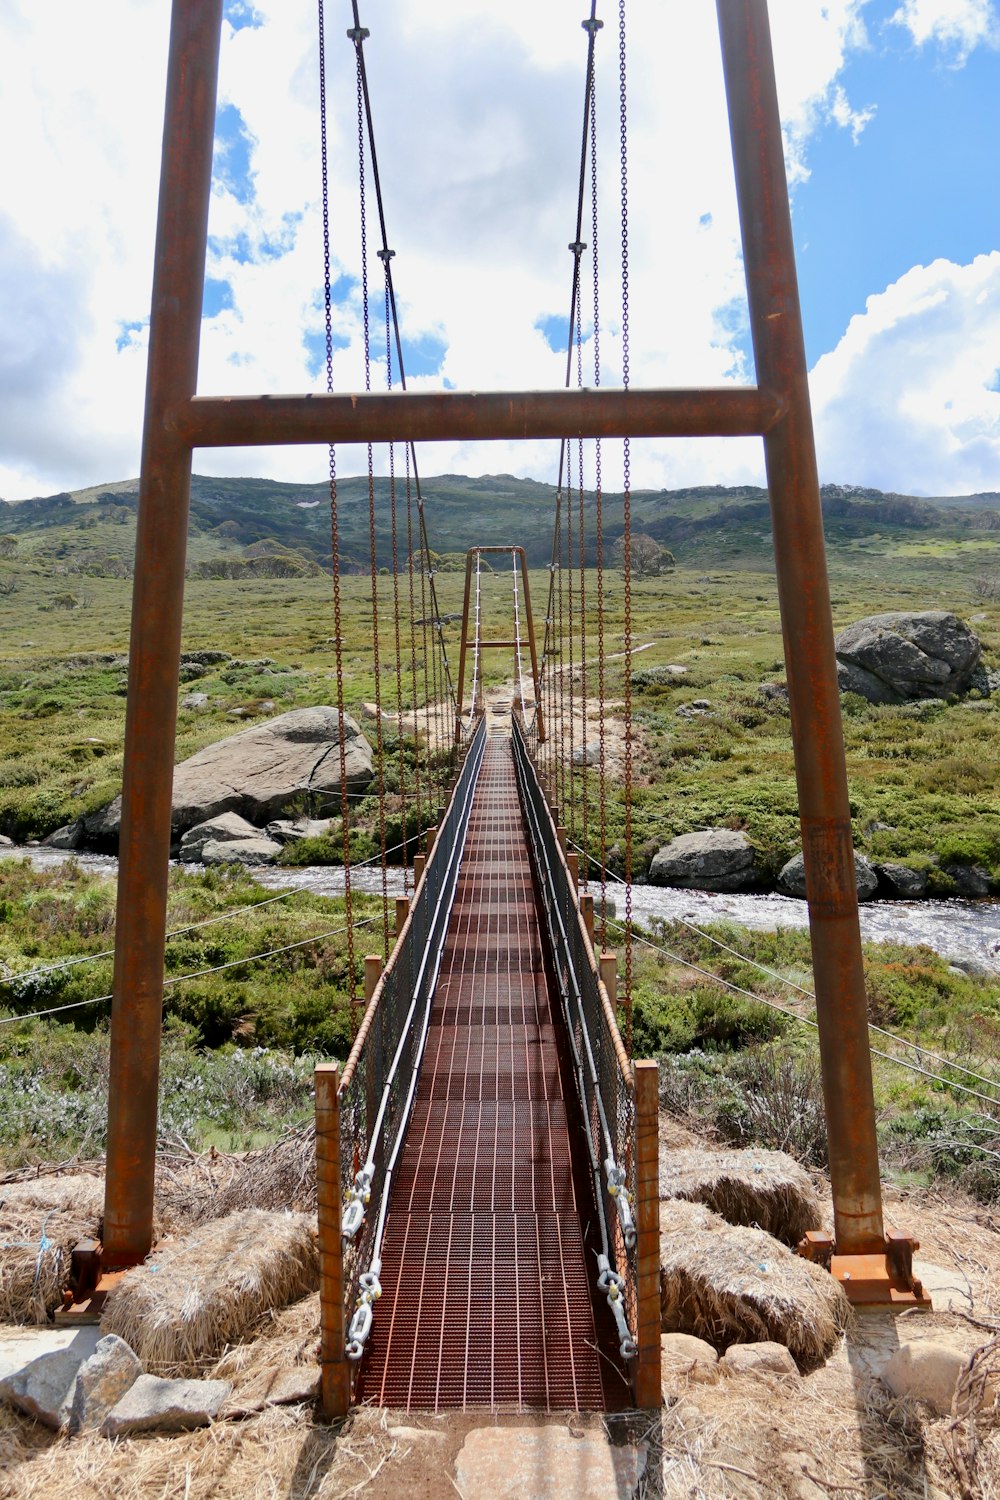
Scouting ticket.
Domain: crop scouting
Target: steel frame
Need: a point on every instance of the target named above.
(177, 421)
(470, 558)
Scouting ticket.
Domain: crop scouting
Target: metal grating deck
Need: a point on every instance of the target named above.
(485, 1292)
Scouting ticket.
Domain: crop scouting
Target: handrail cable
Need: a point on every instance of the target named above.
(810, 995)
(233, 963)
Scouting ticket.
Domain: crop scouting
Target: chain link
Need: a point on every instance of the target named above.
(627, 538)
(338, 648)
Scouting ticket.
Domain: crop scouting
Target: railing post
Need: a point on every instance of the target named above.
(647, 1218)
(373, 973)
(402, 912)
(419, 860)
(587, 911)
(609, 976)
(335, 1378)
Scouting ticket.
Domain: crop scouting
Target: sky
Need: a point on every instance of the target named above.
(891, 114)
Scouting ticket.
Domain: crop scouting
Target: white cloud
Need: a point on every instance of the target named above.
(478, 112)
(958, 24)
(908, 400)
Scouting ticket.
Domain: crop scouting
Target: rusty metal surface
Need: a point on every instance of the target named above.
(807, 625)
(437, 416)
(486, 1297)
(154, 658)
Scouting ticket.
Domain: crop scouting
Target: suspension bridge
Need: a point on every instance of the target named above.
(487, 1156)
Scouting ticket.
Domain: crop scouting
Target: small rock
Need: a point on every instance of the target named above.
(792, 879)
(766, 1358)
(928, 1371)
(291, 830)
(44, 1388)
(70, 836)
(536, 1463)
(902, 882)
(5, 842)
(587, 755)
(102, 1381)
(228, 837)
(194, 700)
(684, 1357)
(155, 1405)
(274, 1386)
(971, 881)
(719, 859)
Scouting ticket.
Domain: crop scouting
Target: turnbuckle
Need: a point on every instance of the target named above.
(613, 1287)
(619, 1192)
(354, 1213)
(361, 1323)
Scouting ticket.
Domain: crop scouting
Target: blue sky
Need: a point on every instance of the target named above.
(891, 111)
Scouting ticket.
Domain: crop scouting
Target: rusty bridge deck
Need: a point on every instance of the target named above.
(486, 1297)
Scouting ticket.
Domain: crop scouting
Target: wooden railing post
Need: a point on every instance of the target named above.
(647, 1216)
(335, 1387)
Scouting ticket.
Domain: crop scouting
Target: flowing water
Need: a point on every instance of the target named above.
(967, 933)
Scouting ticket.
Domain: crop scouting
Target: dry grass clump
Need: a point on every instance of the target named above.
(41, 1219)
(732, 1285)
(766, 1189)
(212, 1186)
(972, 1441)
(200, 1294)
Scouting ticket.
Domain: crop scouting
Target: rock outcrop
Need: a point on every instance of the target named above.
(792, 879)
(227, 839)
(900, 655)
(288, 764)
(718, 860)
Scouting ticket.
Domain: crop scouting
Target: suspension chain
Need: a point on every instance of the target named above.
(334, 521)
(627, 539)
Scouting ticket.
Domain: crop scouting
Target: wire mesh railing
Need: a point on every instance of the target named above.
(603, 1073)
(379, 1079)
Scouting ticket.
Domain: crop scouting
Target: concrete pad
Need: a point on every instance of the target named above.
(19, 1346)
(950, 1289)
(536, 1463)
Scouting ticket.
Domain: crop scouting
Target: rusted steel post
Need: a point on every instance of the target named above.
(157, 605)
(804, 597)
(647, 1219)
(587, 912)
(335, 1387)
(402, 912)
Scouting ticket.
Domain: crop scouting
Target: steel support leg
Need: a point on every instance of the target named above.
(157, 603)
(807, 626)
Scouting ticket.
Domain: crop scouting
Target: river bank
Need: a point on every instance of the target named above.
(965, 932)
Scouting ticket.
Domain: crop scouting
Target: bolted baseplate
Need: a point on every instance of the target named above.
(875, 1278)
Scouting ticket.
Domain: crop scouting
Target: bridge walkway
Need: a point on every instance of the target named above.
(486, 1294)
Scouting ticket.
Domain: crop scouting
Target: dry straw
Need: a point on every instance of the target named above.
(766, 1189)
(201, 1294)
(40, 1222)
(732, 1285)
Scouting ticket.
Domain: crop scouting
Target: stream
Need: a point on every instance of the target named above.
(967, 933)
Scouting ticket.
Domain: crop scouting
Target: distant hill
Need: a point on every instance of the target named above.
(286, 527)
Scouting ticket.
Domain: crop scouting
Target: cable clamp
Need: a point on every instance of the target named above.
(360, 1197)
(361, 1323)
(385, 255)
(359, 34)
(577, 247)
(619, 1193)
(592, 25)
